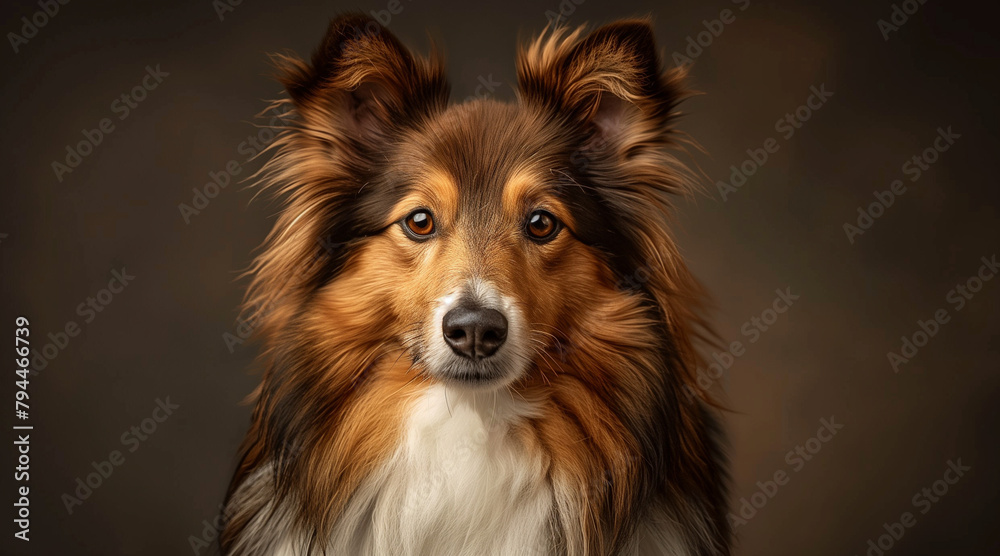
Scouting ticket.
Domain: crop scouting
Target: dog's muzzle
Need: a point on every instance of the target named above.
(476, 338)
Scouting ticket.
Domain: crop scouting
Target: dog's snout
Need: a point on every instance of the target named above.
(474, 332)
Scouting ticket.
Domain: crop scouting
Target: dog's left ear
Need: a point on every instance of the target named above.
(609, 82)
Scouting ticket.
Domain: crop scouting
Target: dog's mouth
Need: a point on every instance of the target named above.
(475, 375)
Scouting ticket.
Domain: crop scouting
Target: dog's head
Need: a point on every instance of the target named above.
(483, 239)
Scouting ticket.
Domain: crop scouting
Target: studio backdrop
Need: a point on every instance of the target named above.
(846, 230)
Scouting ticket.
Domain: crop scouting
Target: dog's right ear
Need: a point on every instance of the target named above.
(609, 82)
(362, 80)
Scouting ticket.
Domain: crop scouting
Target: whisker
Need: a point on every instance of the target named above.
(494, 412)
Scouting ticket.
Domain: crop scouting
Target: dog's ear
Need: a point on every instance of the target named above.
(363, 80)
(610, 82)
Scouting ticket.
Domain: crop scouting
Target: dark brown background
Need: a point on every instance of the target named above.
(825, 357)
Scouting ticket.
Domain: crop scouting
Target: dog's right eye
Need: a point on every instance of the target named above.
(419, 225)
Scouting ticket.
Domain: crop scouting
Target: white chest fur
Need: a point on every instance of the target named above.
(459, 484)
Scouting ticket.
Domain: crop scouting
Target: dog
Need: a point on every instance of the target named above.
(477, 334)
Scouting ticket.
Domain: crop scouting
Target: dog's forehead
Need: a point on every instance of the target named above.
(490, 151)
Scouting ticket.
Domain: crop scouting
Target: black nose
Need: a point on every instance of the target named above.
(474, 332)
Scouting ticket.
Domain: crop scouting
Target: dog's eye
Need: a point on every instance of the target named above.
(419, 224)
(541, 226)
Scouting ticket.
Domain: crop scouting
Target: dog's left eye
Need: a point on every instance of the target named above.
(419, 224)
(542, 226)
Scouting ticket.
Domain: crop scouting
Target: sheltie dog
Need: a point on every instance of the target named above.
(478, 335)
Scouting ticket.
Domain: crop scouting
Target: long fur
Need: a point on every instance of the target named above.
(603, 444)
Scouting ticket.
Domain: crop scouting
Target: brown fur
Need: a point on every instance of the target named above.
(342, 296)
